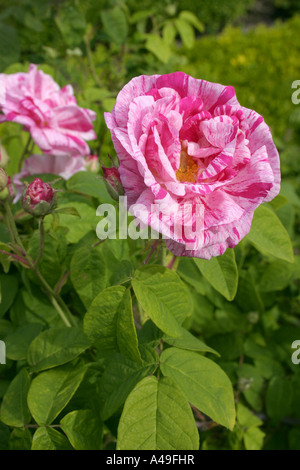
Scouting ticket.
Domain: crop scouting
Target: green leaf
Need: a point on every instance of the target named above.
(189, 272)
(33, 307)
(109, 323)
(32, 22)
(4, 437)
(164, 297)
(20, 439)
(186, 32)
(53, 262)
(221, 272)
(254, 438)
(77, 227)
(85, 182)
(52, 390)
(246, 418)
(84, 430)
(115, 25)
(294, 439)
(68, 211)
(269, 236)
(4, 234)
(9, 46)
(169, 33)
(189, 17)
(88, 273)
(279, 274)
(14, 410)
(119, 378)
(278, 201)
(49, 439)
(9, 288)
(288, 191)
(6, 328)
(5, 259)
(158, 47)
(18, 342)
(279, 398)
(190, 342)
(251, 384)
(252, 435)
(157, 416)
(122, 272)
(71, 23)
(203, 382)
(248, 297)
(55, 347)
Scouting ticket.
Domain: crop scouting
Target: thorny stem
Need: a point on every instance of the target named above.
(42, 241)
(15, 257)
(60, 311)
(91, 61)
(172, 262)
(163, 254)
(61, 282)
(35, 426)
(13, 232)
(10, 230)
(153, 248)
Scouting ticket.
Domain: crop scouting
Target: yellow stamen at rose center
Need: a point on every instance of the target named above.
(187, 172)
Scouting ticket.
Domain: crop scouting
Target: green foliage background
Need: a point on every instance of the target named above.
(66, 387)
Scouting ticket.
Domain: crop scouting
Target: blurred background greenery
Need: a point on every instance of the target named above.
(97, 46)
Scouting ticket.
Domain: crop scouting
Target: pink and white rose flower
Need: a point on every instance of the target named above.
(51, 115)
(183, 141)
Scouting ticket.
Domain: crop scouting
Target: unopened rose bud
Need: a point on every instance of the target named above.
(3, 157)
(113, 182)
(3, 179)
(92, 163)
(39, 198)
(11, 188)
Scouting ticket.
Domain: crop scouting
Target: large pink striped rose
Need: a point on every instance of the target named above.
(56, 123)
(183, 141)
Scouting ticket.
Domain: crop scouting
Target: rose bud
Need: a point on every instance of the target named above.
(113, 182)
(4, 193)
(92, 163)
(11, 188)
(39, 198)
(3, 157)
(3, 179)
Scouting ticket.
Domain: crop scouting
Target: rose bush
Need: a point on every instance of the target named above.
(182, 141)
(55, 121)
